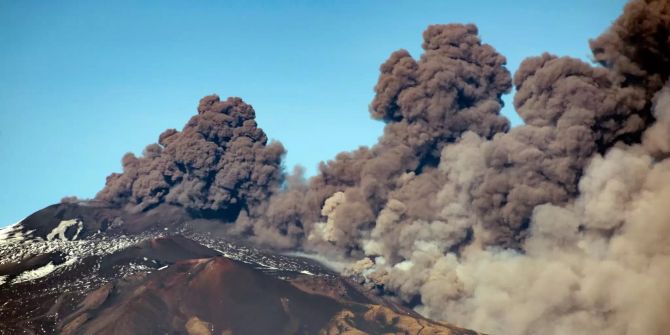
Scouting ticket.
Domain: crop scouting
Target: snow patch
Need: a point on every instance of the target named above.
(266, 266)
(305, 272)
(70, 261)
(41, 271)
(337, 265)
(62, 227)
(231, 256)
(35, 274)
(3, 279)
(11, 234)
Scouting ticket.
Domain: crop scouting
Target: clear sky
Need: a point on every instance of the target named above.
(83, 82)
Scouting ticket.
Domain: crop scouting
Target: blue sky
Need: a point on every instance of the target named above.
(83, 82)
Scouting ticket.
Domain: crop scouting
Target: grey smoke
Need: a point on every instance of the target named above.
(554, 227)
(557, 226)
(220, 164)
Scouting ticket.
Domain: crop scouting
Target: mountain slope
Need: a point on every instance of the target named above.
(88, 268)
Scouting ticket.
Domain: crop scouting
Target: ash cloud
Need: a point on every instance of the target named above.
(220, 164)
(455, 87)
(556, 226)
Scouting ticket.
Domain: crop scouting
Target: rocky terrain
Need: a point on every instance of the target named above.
(88, 268)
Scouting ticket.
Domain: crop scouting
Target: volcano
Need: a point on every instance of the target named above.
(558, 225)
(90, 268)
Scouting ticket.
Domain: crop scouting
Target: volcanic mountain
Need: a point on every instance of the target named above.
(91, 268)
(556, 226)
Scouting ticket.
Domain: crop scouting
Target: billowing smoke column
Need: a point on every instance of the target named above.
(220, 164)
(455, 87)
(559, 226)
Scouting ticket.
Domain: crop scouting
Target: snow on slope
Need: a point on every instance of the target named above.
(59, 231)
(11, 234)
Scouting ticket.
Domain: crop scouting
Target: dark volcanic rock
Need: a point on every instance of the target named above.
(225, 294)
(90, 268)
(221, 296)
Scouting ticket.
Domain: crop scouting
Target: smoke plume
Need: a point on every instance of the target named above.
(557, 226)
(219, 164)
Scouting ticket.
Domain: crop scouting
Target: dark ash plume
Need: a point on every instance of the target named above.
(455, 87)
(571, 111)
(475, 220)
(636, 45)
(555, 226)
(219, 164)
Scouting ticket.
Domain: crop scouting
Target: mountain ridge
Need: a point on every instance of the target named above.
(81, 268)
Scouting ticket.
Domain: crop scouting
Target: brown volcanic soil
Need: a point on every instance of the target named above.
(137, 273)
(159, 251)
(224, 294)
(33, 306)
(221, 296)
